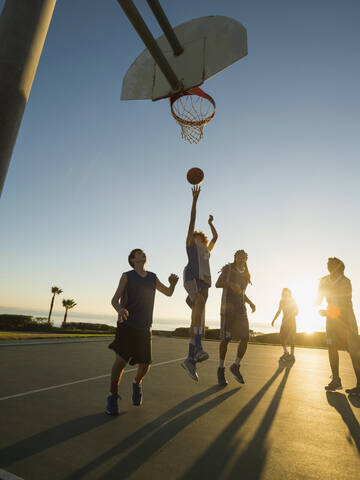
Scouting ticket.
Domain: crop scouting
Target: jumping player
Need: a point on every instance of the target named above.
(234, 279)
(288, 325)
(197, 280)
(134, 303)
(341, 326)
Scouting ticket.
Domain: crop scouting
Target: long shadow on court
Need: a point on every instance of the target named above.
(68, 430)
(340, 402)
(136, 458)
(250, 464)
(131, 440)
(50, 437)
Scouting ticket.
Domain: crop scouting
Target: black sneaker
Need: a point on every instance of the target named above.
(137, 394)
(285, 357)
(335, 384)
(221, 376)
(190, 366)
(201, 355)
(353, 391)
(235, 370)
(112, 407)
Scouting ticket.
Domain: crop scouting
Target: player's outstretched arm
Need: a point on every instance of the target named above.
(251, 304)
(115, 301)
(213, 231)
(190, 236)
(276, 315)
(168, 291)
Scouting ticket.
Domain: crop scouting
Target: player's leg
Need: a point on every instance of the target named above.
(117, 371)
(198, 323)
(221, 368)
(225, 339)
(354, 351)
(283, 335)
(122, 345)
(141, 356)
(137, 395)
(244, 335)
(335, 383)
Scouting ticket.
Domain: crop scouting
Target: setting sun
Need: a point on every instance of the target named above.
(304, 294)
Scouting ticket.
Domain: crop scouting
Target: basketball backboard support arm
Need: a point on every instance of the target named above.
(140, 26)
(166, 26)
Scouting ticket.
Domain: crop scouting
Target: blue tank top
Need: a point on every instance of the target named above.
(198, 267)
(138, 299)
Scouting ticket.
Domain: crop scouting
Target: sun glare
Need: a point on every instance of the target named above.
(308, 320)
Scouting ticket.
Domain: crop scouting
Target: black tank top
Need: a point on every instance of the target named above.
(138, 299)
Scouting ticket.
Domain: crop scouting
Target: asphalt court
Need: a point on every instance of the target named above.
(281, 424)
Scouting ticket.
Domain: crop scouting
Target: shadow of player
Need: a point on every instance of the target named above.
(340, 402)
(157, 432)
(249, 465)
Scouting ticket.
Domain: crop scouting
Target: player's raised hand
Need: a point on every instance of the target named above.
(196, 191)
(122, 315)
(211, 219)
(173, 279)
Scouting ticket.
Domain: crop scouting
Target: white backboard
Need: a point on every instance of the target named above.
(210, 44)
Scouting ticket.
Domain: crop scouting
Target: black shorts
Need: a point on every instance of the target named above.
(235, 324)
(132, 345)
(342, 336)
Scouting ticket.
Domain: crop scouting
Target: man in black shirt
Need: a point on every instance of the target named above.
(134, 303)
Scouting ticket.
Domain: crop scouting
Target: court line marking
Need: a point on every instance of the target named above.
(25, 344)
(4, 475)
(30, 392)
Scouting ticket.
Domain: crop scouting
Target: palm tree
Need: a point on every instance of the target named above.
(67, 304)
(54, 291)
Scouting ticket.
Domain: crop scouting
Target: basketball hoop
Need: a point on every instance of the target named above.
(193, 110)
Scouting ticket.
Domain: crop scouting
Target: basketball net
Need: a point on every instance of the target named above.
(193, 110)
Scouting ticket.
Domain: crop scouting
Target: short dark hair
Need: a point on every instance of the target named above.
(340, 266)
(132, 256)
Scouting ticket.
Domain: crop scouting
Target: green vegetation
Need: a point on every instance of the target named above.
(54, 291)
(27, 323)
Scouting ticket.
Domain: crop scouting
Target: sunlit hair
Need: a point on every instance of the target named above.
(132, 256)
(203, 237)
(246, 267)
(286, 292)
(339, 264)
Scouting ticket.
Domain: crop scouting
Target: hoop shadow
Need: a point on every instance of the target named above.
(340, 402)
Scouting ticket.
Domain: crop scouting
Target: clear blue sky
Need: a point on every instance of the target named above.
(92, 177)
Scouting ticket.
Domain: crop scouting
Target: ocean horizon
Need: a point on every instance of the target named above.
(166, 324)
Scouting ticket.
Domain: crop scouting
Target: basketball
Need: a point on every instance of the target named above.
(195, 176)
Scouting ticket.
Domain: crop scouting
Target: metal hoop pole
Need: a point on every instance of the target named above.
(166, 26)
(144, 33)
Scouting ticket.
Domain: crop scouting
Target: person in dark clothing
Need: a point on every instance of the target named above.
(341, 326)
(134, 303)
(234, 279)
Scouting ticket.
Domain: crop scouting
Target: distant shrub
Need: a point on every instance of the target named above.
(181, 332)
(89, 326)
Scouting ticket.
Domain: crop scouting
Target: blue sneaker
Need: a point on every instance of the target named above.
(112, 407)
(137, 394)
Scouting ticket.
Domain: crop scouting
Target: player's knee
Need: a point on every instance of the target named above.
(199, 301)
